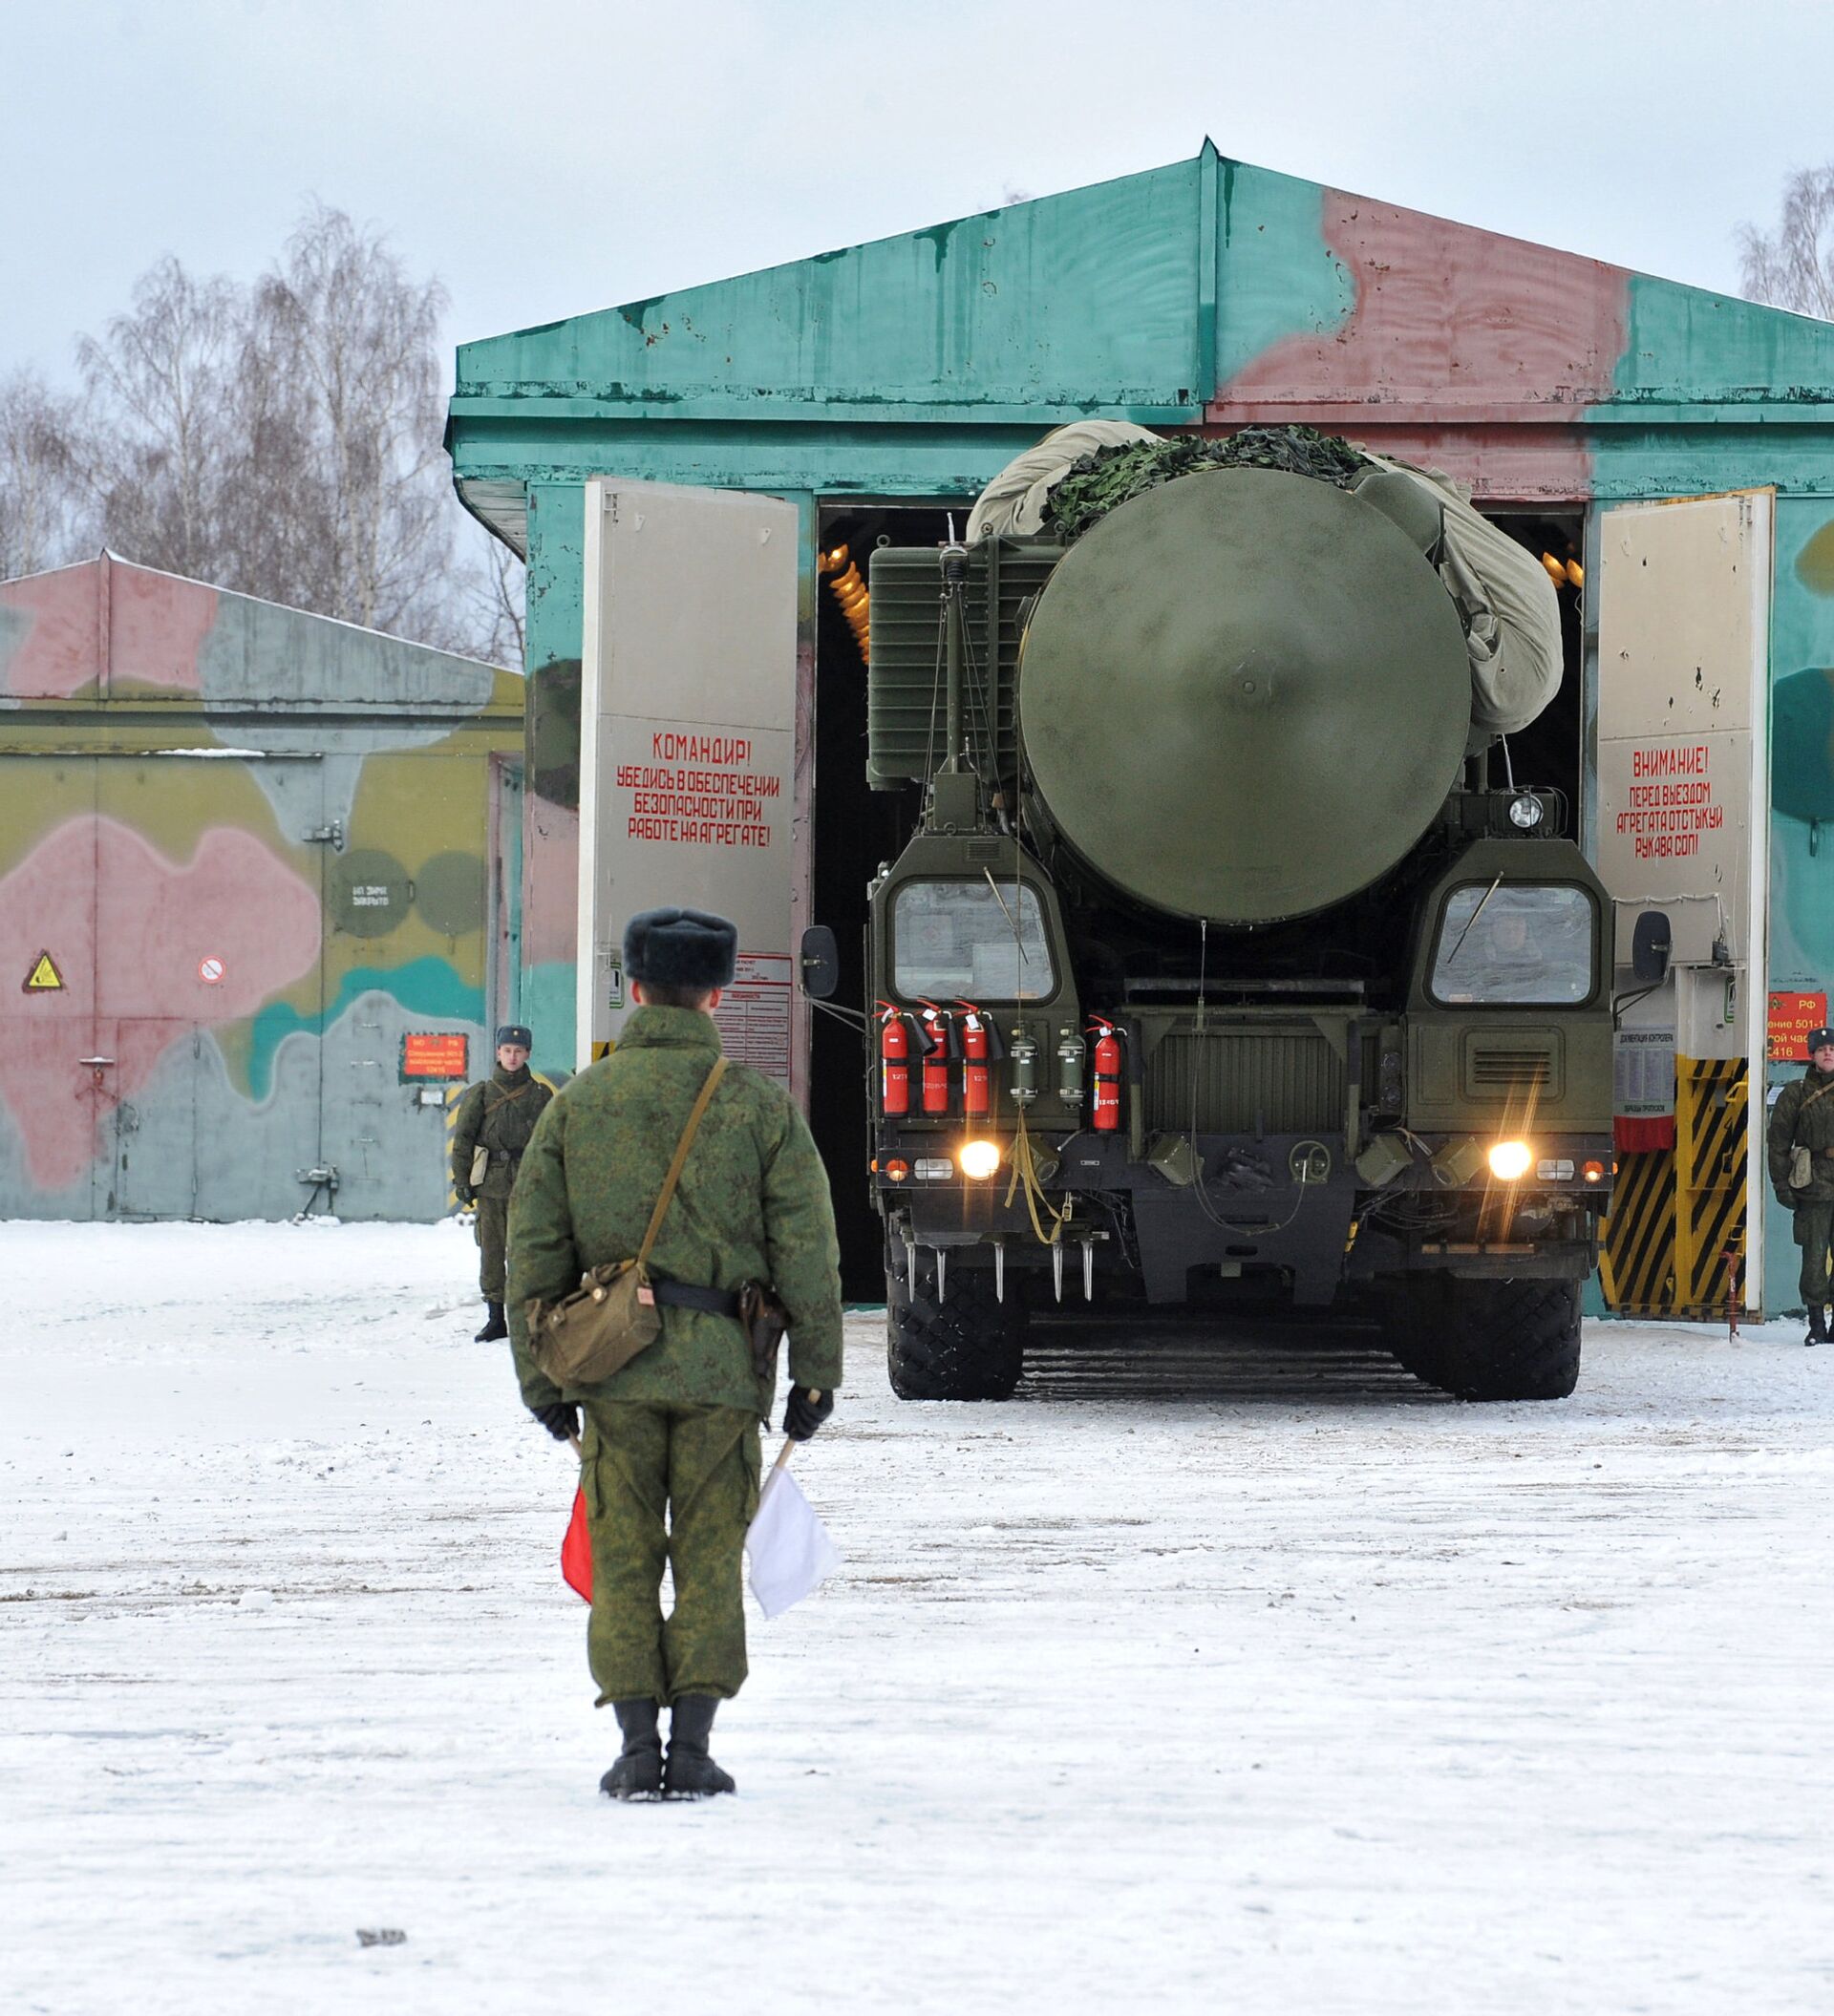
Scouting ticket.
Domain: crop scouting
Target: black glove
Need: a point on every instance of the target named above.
(1786, 1200)
(804, 1411)
(562, 1420)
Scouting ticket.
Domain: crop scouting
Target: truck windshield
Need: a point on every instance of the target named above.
(974, 941)
(1515, 943)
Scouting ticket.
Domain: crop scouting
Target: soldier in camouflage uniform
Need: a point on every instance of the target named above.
(676, 1429)
(1804, 1117)
(498, 1117)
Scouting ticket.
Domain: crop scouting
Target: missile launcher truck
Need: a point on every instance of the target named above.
(1219, 965)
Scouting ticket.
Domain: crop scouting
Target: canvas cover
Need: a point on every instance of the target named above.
(1505, 598)
(1013, 505)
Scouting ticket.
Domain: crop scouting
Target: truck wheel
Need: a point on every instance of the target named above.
(1488, 1340)
(969, 1346)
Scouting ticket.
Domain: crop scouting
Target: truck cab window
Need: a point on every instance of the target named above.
(974, 941)
(1515, 945)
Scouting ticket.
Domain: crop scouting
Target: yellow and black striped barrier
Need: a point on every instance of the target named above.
(1677, 1212)
(1636, 1260)
(1710, 1163)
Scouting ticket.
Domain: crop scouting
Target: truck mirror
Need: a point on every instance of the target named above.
(1651, 941)
(821, 962)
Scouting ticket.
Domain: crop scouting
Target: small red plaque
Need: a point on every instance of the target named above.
(1788, 1023)
(425, 1054)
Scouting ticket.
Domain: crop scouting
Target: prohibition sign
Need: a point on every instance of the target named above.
(210, 972)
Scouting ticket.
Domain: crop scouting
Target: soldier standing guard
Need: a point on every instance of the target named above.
(677, 1426)
(1801, 1145)
(493, 1122)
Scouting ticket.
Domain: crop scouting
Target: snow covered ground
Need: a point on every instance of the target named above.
(1251, 1681)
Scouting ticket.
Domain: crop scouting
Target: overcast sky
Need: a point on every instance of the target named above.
(546, 157)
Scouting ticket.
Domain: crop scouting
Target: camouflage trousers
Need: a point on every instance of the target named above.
(1814, 1222)
(699, 1465)
(493, 1246)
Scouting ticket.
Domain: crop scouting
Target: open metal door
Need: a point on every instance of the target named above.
(687, 737)
(1684, 593)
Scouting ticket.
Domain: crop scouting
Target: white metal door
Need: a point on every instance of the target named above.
(1684, 593)
(687, 737)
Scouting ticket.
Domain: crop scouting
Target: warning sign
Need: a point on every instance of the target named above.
(1786, 1026)
(210, 972)
(701, 787)
(1670, 802)
(44, 978)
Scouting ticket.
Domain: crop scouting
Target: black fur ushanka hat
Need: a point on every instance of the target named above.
(680, 948)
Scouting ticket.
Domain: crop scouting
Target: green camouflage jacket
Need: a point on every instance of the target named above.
(500, 1115)
(753, 1204)
(1793, 1123)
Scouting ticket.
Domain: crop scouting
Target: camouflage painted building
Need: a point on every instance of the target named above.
(878, 386)
(252, 922)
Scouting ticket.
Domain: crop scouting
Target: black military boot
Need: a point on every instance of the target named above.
(1816, 1325)
(637, 1775)
(494, 1325)
(690, 1773)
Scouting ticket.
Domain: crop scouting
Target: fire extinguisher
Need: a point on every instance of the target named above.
(976, 1083)
(1104, 1110)
(894, 1060)
(936, 1032)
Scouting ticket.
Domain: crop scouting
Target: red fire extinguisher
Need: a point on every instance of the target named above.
(894, 1060)
(976, 1085)
(1104, 1110)
(936, 1032)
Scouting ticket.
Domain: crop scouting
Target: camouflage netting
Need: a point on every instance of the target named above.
(1078, 473)
(1108, 476)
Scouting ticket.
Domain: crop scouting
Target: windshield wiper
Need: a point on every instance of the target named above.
(1475, 915)
(1018, 940)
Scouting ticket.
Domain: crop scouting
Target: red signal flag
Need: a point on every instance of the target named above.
(576, 1550)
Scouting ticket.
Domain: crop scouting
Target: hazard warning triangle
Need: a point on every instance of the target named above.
(44, 976)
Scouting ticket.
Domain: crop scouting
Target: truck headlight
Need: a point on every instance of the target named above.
(1509, 1160)
(980, 1158)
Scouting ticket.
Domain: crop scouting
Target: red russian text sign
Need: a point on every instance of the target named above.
(430, 1055)
(699, 789)
(1788, 1025)
(1672, 802)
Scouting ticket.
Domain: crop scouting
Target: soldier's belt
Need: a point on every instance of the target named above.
(762, 1317)
(684, 1295)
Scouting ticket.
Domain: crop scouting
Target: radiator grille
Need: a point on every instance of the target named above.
(1511, 1068)
(1256, 1081)
(1509, 1073)
(904, 689)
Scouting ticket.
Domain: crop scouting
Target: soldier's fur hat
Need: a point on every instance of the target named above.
(680, 948)
(514, 1032)
(1818, 1037)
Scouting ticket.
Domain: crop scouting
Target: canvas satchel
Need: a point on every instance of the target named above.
(480, 1165)
(612, 1314)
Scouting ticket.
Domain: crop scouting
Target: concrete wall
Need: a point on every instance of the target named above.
(254, 844)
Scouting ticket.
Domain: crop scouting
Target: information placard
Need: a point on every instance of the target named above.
(429, 1053)
(1787, 1024)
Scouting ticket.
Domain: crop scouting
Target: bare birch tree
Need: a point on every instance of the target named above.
(43, 523)
(341, 330)
(284, 439)
(1793, 267)
(163, 462)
